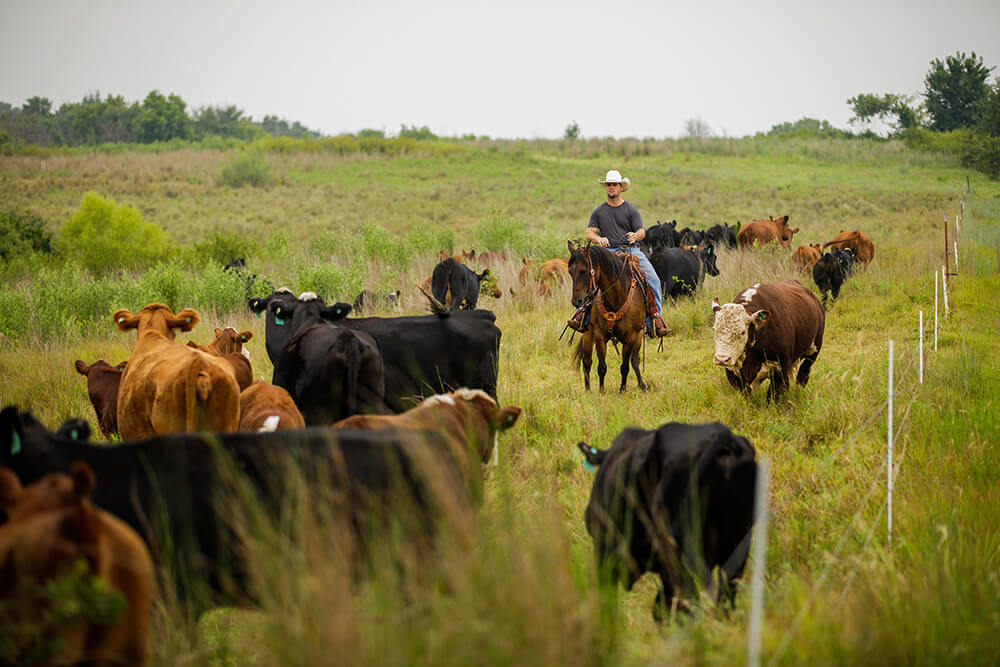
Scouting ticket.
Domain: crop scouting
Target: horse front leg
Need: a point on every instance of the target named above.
(602, 366)
(587, 357)
(630, 354)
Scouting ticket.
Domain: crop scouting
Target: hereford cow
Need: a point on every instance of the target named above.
(805, 257)
(772, 331)
(186, 493)
(858, 242)
(423, 355)
(330, 371)
(228, 345)
(456, 285)
(831, 270)
(103, 382)
(761, 232)
(51, 526)
(169, 387)
(682, 271)
(676, 501)
(265, 406)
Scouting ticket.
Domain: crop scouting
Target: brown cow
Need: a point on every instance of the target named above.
(228, 344)
(859, 242)
(769, 331)
(551, 273)
(51, 526)
(806, 256)
(168, 387)
(469, 418)
(267, 407)
(103, 381)
(766, 231)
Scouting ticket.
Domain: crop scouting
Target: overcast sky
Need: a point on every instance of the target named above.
(503, 68)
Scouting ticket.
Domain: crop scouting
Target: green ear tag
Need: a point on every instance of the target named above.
(278, 321)
(74, 435)
(588, 466)
(188, 320)
(121, 319)
(258, 315)
(15, 445)
(593, 450)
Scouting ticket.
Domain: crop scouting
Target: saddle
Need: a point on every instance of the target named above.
(638, 278)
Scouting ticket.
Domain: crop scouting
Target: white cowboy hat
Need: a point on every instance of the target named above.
(615, 177)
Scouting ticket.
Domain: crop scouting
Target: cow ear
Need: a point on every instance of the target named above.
(593, 457)
(83, 479)
(509, 416)
(716, 306)
(217, 331)
(184, 320)
(244, 336)
(760, 318)
(337, 311)
(10, 488)
(125, 320)
(81, 367)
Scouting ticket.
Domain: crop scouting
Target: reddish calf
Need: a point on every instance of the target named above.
(103, 381)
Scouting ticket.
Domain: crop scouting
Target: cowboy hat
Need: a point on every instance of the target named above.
(615, 177)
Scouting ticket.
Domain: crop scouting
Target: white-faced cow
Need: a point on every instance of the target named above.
(772, 331)
(676, 501)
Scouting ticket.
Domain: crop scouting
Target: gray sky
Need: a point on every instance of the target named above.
(513, 68)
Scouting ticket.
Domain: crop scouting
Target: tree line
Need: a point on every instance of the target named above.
(96, 120)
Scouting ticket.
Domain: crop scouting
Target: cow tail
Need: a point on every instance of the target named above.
(199, 388)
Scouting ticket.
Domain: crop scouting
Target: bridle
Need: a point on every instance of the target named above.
(595, 294)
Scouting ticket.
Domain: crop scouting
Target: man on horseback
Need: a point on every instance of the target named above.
(617, 223)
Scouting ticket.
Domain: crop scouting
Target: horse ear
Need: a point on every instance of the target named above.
(569, 244)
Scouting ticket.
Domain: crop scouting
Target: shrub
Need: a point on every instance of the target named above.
(426, 239)
(922, 139)
(103, 236)
(223, 247)
(982, 153)
(381, 244)
(22, 233)
(330, 282)
(247, 168)
(498, 232)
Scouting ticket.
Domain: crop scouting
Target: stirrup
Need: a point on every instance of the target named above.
(576, 325)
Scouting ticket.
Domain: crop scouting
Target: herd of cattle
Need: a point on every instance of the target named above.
(396, 419)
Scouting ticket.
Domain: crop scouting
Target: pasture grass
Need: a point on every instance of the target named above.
(836, 591)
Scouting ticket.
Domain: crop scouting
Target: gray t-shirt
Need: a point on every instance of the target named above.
(615, 222)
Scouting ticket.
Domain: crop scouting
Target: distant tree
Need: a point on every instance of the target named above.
(697, 128)
(953, 89)
(39, 105)
(223, 121)
(419, 133)
(162, 119)
(982, 151)
(896, 111)
(369, 133)
(572, 131)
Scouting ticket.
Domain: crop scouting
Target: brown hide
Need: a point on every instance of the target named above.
(228, 345)
(103, 382)
(859, 242)
(766, 231)
(168, 387)
(262, 400)
(806, 256)
(52, 524)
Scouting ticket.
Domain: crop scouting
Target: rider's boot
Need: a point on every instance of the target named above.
(655, 326)
(578, 321)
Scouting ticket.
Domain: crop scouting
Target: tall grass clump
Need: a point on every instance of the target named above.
(103, 236)
(501, 232)
(332, 283)
(224, 247)
(247, 168)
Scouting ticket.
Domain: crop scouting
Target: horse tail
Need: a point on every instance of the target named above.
(578, 354)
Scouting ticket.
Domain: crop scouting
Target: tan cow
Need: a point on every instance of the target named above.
(52, 526)
(469, 418)
(168, 387)
(806, 256)
(228, 344)
(766, 231)
(267, 407)
(859, 242)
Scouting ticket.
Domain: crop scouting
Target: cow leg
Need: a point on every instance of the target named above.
(736, 381)
(802, 377)
(836, 291)
(602, 366)
(779, 382)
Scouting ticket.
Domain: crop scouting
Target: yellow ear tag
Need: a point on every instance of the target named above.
(121, 319)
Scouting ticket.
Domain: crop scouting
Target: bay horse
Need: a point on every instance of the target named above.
(616, 295)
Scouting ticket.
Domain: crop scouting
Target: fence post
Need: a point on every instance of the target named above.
(889, 479)
(944, 288)
(935, 309)
(759, 562)
(921, 347)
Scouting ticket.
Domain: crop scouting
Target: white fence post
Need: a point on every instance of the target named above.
(935, 309)
(944, 289)
(889, 483)
(956, 255)
(759, 562)
(921, 325)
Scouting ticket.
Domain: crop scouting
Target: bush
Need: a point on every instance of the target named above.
(247, 168)
(103, 236)
(381, 244)
(224, 247)
(22, 233)
(330, 282)
(982, 153)
(425, 239)
(922, 139)
(498, 232)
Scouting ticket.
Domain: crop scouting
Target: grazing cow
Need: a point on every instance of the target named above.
(368, 301)
(766, 231)
(491, 258)
(228, 345)
(330, 371)
(51, 526)
(662, 234)
(688, 237)
(265, 406)
(805, 257)
(769, 331)
(722, 235)
(169, 387)
(423, 355)
(456, 285)
(551, 273)
(831, 270)
(681, 271)
(103, 381)
(858, 242)
(469, 417)
(190, 495)
(676, 501)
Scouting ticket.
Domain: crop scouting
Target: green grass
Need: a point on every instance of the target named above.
(527, 594)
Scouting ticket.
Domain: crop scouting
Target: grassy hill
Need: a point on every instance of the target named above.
(334, 222)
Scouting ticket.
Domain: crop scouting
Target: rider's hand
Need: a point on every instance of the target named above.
(631, 237)
(604, 241)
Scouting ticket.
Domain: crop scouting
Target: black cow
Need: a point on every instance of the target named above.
(722, 235)
(682, 271)
(689, 237)
(676, 501)
(423, 354)
(194, 497)
(662, 235)
(456, 285)
(367, 301)
(330, 371)
(831, 270)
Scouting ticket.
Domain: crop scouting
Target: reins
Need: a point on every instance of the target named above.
(597, 295)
